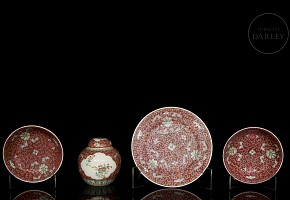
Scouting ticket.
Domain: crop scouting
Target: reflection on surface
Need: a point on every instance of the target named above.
(251, 196)
(99, 192)
(171, 194)
(35, 195)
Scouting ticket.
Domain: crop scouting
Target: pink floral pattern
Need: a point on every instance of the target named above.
(32, 154)
(171, 147)
(171, 194)
(253, 155)
(34, 195)
(250, 196)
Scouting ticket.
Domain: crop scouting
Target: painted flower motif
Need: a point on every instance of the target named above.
(171, 147)
(270, 154)
(167, 122)
(250, 177)
(252, 152)
(35, 152)
(232, 151)
(43, 169)
(152, 164)
(195, 154)
(25, 136)
(174, 163)
(156, 141)
(11, 164)
(103, 170)
(89, 159)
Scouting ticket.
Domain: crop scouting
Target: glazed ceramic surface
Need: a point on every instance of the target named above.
(34, 195)
(250, 196)
(99, 163)
(253, 155)
(32, 153)
(171, 194)
(171, 147)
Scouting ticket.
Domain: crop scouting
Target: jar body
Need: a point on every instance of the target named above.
(99, 165)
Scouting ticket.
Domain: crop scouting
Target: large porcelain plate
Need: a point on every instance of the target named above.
(171, 194)
(32, 153)
(171, 147)
(253, 155)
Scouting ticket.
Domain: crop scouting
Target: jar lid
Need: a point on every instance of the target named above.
(99, 143)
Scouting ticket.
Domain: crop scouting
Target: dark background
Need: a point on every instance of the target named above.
(85, 71)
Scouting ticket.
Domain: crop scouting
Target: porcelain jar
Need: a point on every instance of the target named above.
(99, 163)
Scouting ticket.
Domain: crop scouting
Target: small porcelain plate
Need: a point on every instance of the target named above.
(167, 194)
(171, 147)
(253, 155)
(32, 153)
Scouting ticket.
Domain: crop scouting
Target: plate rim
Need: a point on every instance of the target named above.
(33, 126)
(246, 128)
(186, 110)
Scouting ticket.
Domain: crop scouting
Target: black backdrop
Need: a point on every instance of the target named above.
(85, 73)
